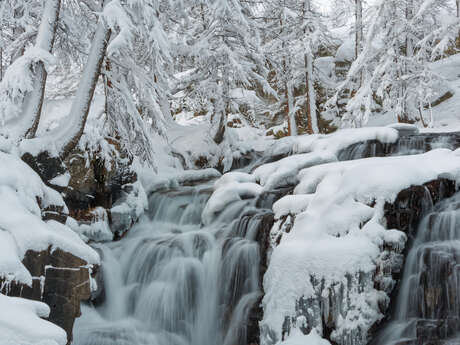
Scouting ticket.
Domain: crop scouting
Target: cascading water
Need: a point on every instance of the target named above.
(428, 302)
(405, 145)
(172, 281)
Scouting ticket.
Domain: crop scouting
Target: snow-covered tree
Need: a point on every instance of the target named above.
(22, 89)
(222, 54)
(295, 33)
(393, 66)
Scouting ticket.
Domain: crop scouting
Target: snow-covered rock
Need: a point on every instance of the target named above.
(22, 197)
(330, 245)
(21, 323)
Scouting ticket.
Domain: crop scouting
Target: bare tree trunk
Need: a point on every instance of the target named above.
(307, 87)
(291, 110)
(17, 31)
(358, 26)
(219, 118)
(404, 117)
(80, 107)
(457, 43)
(33, 101)
(312, 121)
(359, 34)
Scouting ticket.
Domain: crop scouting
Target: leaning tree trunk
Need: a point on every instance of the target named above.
(55, 148)
(80, 107)
(33, 100)
(312, 121)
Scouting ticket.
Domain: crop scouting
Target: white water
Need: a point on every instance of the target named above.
(428, 303)
(173, 282)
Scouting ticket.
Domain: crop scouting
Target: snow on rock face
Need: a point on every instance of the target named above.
(229, 188)
(21, 224)
(332, 142)
(328, 267)
(21, 323)
(284, 171)
(298, 338)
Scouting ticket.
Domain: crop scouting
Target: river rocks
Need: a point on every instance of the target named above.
(60, 279)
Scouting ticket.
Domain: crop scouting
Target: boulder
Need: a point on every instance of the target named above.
(60, 279)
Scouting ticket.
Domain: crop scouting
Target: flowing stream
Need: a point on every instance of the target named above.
(173, 281)
(428, 302)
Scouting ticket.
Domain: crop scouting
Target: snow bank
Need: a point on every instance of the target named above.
(21, 323)
(338, 240)
(284, 172)
(21, 225)
(334, 142)
(231, 187)
(172, 178)
(298, 338)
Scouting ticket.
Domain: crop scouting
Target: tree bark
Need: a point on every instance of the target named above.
(312, 119)
(358, 26)
(409, 50)
(457, 43)
(291, 110)
(312, 122)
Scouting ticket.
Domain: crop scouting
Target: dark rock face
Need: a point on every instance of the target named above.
(60, 280)
(405, 214)
(256, 313)
(93, 184)
(266, 221)
(412, 203)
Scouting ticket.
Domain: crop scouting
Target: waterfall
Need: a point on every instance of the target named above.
(172, 281)
(428, 302)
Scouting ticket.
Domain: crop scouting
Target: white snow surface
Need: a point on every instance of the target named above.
(21, 226)
(339, 230)
(21, 323)
(332, 142)
(298, 338)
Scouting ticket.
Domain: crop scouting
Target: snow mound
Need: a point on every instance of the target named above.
(284, 172)
(173, 178)
(21, 225)
(298, 338)
(21, 323)
(337, 241)
(229, 189)
(334, 142)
